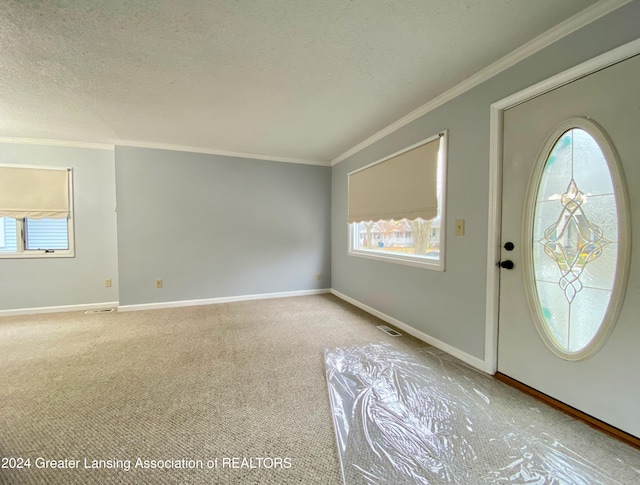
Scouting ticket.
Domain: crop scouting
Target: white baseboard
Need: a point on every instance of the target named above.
(455, 352)
(213, 301)
(58, 309)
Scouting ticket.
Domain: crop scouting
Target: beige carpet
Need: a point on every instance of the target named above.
(240, 380)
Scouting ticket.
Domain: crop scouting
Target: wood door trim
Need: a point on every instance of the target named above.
(571, 411)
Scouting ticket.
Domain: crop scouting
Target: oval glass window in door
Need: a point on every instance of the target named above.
(575, 240)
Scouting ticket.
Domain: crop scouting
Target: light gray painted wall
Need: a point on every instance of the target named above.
(212, 226)
(34, 283)
(450, 306)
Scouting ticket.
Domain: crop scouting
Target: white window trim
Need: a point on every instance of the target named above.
(21, 251)
(408, 260)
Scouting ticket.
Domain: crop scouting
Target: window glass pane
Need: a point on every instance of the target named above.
(46, 234)
(416, 238)
(587, 313)
(557, 170)
(8, 241)
(555, 311)
(592, 171)
(575, 234)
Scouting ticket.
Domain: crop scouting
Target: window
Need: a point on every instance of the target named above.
(576, 236)
(396, 206)
(35, 212)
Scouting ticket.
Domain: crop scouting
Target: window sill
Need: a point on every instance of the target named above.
(37, 255)
(424, 263)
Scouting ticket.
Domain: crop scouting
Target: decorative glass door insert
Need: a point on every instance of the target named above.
(575, 239)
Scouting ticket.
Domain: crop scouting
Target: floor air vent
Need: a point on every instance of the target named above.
(100, 310)
(389, 331)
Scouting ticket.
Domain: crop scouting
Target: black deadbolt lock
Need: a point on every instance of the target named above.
(509, 246)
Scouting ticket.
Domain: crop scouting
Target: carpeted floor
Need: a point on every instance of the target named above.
(214, 384)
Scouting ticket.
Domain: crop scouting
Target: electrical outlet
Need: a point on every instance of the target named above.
(158, 283)
(318, 276)
(107, 282)
(459, 227)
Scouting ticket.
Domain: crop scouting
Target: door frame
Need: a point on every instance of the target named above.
(497, 109)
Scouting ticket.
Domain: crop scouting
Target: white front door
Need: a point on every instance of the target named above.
(569, 315)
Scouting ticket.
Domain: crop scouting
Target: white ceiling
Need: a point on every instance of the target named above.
(295, 79)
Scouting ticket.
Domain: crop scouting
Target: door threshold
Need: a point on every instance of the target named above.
(612, 431)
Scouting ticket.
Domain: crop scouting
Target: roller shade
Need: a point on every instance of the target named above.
(36, 193)
(403, 186)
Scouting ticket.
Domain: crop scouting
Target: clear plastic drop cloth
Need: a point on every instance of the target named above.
(426, 418)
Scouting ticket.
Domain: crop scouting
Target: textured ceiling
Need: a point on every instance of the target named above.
(300, 79)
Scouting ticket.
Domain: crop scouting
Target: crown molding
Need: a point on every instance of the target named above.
(570, 25)
(207, 151)
(58, 143)
(157, 146)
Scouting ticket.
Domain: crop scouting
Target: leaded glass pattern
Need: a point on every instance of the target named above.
(575, 239)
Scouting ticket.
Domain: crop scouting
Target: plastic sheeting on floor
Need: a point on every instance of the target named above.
(427, 419)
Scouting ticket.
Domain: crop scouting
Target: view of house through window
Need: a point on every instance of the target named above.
(417, 238)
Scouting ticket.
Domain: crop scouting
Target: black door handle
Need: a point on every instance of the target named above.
(508, 264)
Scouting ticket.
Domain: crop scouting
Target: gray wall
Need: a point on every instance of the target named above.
(33, 283)
(212, 226)
(450, 306)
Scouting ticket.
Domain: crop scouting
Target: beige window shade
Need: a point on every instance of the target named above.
(33, 192)
(404, 186)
